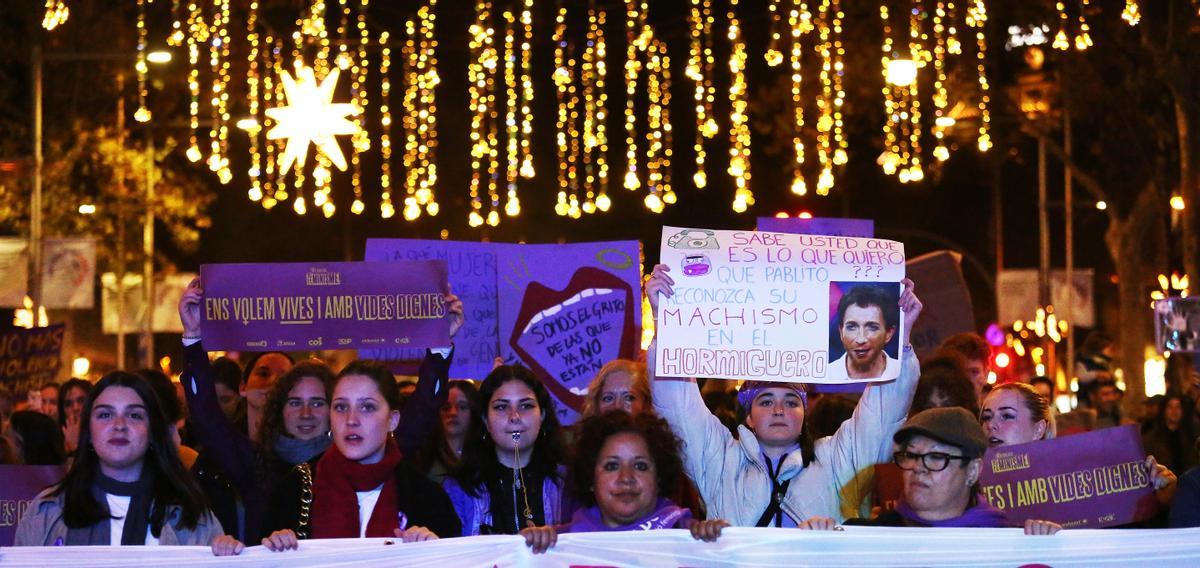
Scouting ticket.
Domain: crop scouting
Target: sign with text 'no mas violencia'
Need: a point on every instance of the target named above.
(332, 305)
(780, 307)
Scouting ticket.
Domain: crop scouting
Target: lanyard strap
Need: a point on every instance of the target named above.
(778, 490)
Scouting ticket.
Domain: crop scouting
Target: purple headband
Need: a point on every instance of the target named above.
(751, 389)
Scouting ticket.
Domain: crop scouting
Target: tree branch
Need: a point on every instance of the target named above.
(1085, 179)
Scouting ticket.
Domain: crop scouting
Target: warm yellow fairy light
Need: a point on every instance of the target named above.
(311, 116)
(385, 135)
(564, 84)
(481, 71)
(1132, 14)
(218, 59)
(512, 127)
(1177, 202)
(251, 124)
(977, 19)
(700, 71)
(799, 19)
(941, 98)
(197, 34)
(739, 129)
(526, 132)
(420, 118)
(56, 14)
(143, 113)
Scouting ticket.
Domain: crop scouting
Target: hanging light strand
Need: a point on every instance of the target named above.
(977, 19)
(143, 113)
(800, 23)
(699, 70)
(563, 84)
(481, 77)
(1132, 14)
(56, 14)
(252, 126)
(197, 35)
(739, 129)
(526, 134)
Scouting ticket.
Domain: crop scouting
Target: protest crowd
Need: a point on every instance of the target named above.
(273, 451)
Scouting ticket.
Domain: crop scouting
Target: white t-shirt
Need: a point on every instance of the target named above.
(366, 506)
(118, 505)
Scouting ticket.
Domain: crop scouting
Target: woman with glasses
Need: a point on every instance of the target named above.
(940, 453)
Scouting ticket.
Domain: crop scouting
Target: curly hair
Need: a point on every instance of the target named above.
(595, 431)
(636, 370)
(479, 452)
(272, 423)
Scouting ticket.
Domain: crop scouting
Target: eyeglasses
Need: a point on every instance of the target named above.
(933, 461)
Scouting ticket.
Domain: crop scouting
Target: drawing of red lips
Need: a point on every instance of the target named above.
(539, 303)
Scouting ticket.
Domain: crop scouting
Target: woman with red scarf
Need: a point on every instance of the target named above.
(362, 488)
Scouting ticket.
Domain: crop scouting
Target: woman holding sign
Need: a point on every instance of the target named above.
(362, 487)
(940, 453)
(765, 477)
(297, 428)
(1015, 413)
(127, 485)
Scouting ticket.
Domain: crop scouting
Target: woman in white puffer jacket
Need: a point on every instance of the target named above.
(770, 475)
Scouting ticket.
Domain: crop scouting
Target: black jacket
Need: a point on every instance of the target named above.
(421, 500)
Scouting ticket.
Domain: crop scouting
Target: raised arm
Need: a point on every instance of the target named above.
(706, 441)
(433, 381)
(230, 448)
(866, 438)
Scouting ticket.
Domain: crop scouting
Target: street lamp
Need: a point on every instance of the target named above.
(35, 200)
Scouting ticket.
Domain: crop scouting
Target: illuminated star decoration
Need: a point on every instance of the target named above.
(311, 116)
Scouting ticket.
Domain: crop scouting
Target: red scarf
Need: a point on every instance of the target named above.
(335, 505)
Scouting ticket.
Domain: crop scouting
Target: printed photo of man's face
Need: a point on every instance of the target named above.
(864, 334)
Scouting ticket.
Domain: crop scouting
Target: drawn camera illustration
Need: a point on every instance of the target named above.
(696, 265)
(693, 239)
(1177, 325)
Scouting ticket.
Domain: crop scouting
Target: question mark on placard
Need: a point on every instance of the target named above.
(879, 272)
(856, 271)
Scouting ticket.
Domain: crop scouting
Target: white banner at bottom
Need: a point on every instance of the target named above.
(856, 546)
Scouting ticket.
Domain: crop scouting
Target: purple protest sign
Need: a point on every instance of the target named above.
(31, 357)
(331, 305)
(831, 226)
(21, 484)
(1091, 480)
(566, 310)
(472, 273)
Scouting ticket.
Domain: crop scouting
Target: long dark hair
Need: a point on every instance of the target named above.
(596, 430)
(437, 447)
(272, 423)
(480, 464)
(173, 485)
(42, 440)
(74, 383)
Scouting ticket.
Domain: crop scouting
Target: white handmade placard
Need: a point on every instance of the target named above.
(780, 307)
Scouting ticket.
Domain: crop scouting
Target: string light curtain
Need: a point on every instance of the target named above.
(500, 70)
(819, 35)
(580, 79)
(930, 44)
(648, 154)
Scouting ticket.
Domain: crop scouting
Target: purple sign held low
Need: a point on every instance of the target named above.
(21, 484)
(330, 305)
(1093, 480)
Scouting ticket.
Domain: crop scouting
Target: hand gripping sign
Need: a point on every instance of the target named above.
(780, 307)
